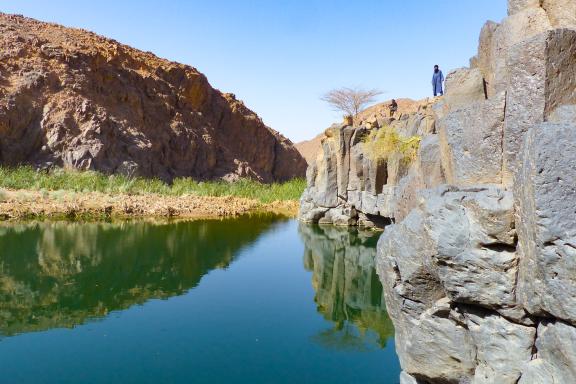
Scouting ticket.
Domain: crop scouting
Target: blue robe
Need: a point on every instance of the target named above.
(437, 79)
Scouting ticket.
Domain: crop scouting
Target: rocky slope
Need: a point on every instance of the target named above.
(71, 98)
(478, 267)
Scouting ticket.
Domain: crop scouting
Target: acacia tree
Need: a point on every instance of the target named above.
(351, 101)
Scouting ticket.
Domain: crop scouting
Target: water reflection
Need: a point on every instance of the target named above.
(348, 291)
(61, 274)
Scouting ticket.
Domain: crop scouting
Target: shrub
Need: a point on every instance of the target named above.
(382, 143)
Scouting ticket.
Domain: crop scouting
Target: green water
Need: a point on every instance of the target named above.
(249, 300)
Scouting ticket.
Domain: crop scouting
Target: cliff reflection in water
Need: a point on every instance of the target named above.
(62, 274)
(348, 291)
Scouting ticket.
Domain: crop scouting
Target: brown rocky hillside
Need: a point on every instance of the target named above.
(71, 98)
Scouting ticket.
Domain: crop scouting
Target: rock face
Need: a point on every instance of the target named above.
(71, 98)
(478, 268)
(348, 187)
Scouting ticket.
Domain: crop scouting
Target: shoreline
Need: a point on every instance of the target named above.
(16, 205)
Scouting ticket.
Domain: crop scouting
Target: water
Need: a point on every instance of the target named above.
(249, 300)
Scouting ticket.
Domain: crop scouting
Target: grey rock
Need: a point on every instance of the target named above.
(369, 203)
(464, 86)
(313, 215)
(386, 201)
(474, 232)
(405, 262)
(438, 349)
(564, 114)
(503, 348)
(485, 52)
(514, 29)
(542, 78)
(343, 159)
(546, 196)
(471, 143)
(429, 162)
(556, 358)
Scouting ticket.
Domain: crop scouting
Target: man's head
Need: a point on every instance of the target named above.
(436, 68)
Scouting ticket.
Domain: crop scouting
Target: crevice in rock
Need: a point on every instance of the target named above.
(500, 247)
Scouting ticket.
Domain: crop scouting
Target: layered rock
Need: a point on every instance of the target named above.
(479, 267)
(71, 98)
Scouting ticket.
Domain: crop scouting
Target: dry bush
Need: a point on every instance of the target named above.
(380, 144)
(351, 101)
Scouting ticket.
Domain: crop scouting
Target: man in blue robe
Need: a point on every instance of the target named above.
(437, 79)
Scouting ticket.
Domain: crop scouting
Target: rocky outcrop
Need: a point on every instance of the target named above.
(74, 99)
(478, 266)
(348, 187)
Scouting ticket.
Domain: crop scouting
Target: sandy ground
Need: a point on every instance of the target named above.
(22, 204)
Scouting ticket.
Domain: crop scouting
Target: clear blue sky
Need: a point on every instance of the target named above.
(280, 56)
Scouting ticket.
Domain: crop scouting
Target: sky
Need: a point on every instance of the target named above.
(281, 56)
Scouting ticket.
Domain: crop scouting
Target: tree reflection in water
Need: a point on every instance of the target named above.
(63, 274)
(348, 291)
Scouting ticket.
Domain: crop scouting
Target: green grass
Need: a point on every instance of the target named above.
(26, 177)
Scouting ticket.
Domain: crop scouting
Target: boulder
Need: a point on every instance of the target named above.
(475, 257)
(471, 142)
(546, 196)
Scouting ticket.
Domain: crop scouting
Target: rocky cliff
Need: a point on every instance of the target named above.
(479, 266)
(71, 98)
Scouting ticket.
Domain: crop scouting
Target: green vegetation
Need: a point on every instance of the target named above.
(382, 143)
(26, 177)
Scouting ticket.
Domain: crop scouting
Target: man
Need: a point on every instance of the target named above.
(437, 79)
(393, 107)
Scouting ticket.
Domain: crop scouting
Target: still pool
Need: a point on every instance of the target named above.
(258, 299)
